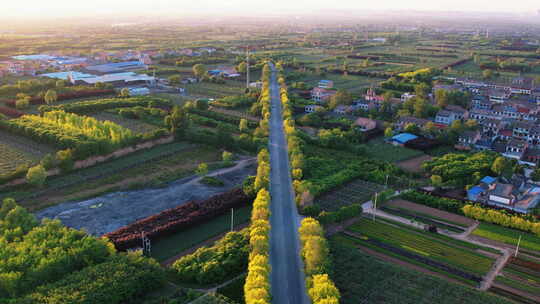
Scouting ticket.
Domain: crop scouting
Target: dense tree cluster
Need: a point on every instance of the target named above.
(50, 263)
(462, 169)
(226, 258)
(500, 218)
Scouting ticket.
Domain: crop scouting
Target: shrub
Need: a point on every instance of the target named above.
(36, 175)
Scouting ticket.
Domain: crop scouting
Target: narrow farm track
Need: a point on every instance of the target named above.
(287, 275)
(497, 267)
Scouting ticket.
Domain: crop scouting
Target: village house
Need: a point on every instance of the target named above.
(321, 95)
(365, 124)
(404, 121)
(406, 96)
(450, 114)
(467, 140)
(515, 148)
(326, 84)
(312, 108)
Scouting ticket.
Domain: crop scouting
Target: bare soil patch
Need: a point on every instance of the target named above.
(414, 164)
(453, 218)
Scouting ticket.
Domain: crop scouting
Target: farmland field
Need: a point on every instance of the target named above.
(17, 150)
(454, 258)
(520, 279)
(357, 191)
(364, 279)
(508, 236)
(214, 90)
(377, 148)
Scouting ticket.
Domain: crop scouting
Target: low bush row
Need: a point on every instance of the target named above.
(316, 257)
(176, 219)
(222, 117)
(257, 285)
(38, 100)
(500, 218)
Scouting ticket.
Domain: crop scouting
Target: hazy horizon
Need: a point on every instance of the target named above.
(38, 9)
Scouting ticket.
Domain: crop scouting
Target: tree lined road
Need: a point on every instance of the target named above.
(287, 275)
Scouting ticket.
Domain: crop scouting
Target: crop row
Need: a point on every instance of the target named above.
(222, 117)
(431, 248)
(176, 219)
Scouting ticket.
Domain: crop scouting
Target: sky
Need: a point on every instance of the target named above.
(73, 8)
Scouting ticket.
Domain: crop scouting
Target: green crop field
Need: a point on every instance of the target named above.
(377, 148)
(364, 279)
(421, 243)
(214, 90)
(355, 192)
(508, 236)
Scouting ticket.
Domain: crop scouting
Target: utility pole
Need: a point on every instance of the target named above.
(247, 67)
(386, 182)
(374, 205)
(232, 219)
(517, 248)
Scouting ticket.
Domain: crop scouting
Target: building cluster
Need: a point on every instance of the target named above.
(516, 195)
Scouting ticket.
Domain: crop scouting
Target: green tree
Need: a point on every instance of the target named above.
(241, 67)
(436, 181)
(388, 132)
(174, 79)
(23, 103)
(65, 160)
(421, 90)
(502, 167)
(199, 70)
(243, 125)
(487, 74)
(60, 84)
(441, 97)
(201, 104)
(342, 97)
(50, 97)
(36, 176)
(421, 108)
(202, 169)
(124, 92)
(178, 122)
(412, 128)
(227, 157)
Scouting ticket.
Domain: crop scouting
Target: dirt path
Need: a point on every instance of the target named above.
(495, 270)
(208, 242)
(109, 212)
(414, 164)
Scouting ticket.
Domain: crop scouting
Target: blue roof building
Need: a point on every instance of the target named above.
(488, 180)
(403, 138)
(474, 192)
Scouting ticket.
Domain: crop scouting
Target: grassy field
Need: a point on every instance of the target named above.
(448, 252)
(352, 83)
(357, 191)
(17, 150)
(214, 90)
(170, 246)
(509, 236)
(134, 125)
(377, 148)
(364, 279)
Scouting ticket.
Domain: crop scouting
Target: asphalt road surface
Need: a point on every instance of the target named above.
(287, 275)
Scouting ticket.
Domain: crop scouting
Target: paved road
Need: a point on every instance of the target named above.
(287, 276)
